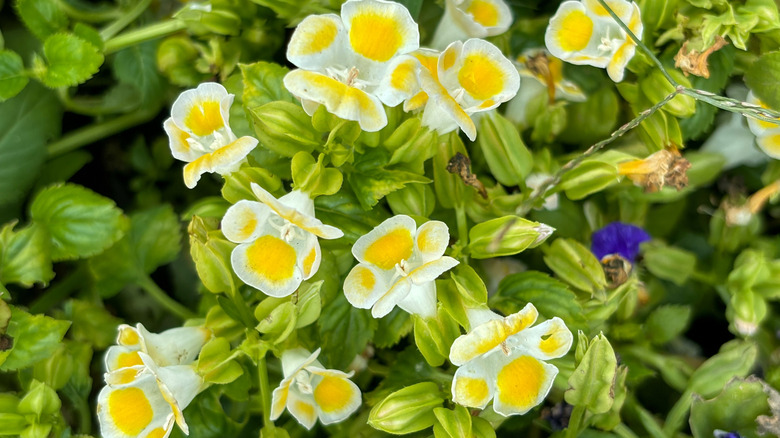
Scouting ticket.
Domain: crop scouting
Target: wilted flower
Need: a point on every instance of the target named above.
(199, 133)
(583, 32)
(501, 358)
(151, 379)
(663, 168)
(398, 265)
(278, 246)
(343, 61)
(309, 391)
(767, 133)
(465, 19)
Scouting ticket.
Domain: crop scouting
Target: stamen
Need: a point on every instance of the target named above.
(351, 76)
(303, 381)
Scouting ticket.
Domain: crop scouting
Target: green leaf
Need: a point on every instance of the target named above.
(343, 211)
(666, 323)
(762, 77)
(12, 75)
(591, 383)
(372, 186)
(344, 332)
(92, 323)
(576, 265)
(30, 119)
(89, 34)
(392, 328)
(137, 66)
(216, 364)
(154, 239)
(434, 336)
(42, 17)
(550, 296)
(81, 222)
(25, 255)
(35, 338)
(263, 84)
(737, 407)
(735, 359)
(668, 263)
(70, 61)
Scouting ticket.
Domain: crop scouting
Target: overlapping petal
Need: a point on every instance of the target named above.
(135, 409)
(767, 133)
(465, 19)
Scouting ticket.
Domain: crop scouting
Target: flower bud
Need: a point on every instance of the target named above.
(505, 236)
(414, 200)
(434, 336)
(36, 431)
(506, 155)
(656, 88)
(211, 253)
(284, 128)
(39, 400)
(407, 410)
(203, 19)
(176, 60)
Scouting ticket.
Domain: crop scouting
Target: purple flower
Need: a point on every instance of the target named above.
(618, 238)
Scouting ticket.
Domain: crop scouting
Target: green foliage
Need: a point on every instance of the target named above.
(70, 60)
(751, 395)
(12, 75)
(344, 331)
(25, 257)
(591, 383)
(35, 337)
(407, 410)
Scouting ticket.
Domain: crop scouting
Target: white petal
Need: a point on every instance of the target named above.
(317, 41)
(135, 410)
(388, 243)
(421, 300)
(364, 285)
(432, 270)
(389, 300)
(177, 346)
(243, 221)
(379, 30)
(473, 384)
(548, 340)
(433, 238)
(335, 396)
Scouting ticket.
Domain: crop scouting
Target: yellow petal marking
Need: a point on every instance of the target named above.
(156, 433)
(430, 63)
(770, 144)
(338, 92)
(322, 38)
(308, 262)
(130, 410)
(365, 278)
(249, 226)
(763, 123)
(520, 381)
(483, 12)
(575, 31)
(128, 336)
(449, 59)
(471, 391)
(204, 118)
(550, 345)
(125, 376)
(375, 36)
(403, 77)
(272, 258)
(390, 249)
(481, 77)
(487, 104)
(332, 393)
(425, 240)
(306, 408)
(128, 359)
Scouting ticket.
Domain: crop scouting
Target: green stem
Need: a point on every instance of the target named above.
(463, 227)
(97, 131)
(639, 43)
(646, 418)
(124, 20)
(624, 431)
(55, 294)
(146, 33)
(575, 422)
(265, 392)
(551, 182)
(679, 412)
(159, 295)
(99, 15)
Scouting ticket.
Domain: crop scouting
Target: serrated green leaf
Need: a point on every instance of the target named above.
(81, 223)
(591, 383)
(12, 75)
(392, 328)
(734, 360)
(35, 338)
(667, 262)
(92, 323)
(666, 323)
(762, 78)
(30, 119)
(137, 66)
(263, 84)
(371, 187)
(344, 212)
(737, 407)
(70, 61)
(25, 255)
(344, 332)
(42, 17)
(550, 296)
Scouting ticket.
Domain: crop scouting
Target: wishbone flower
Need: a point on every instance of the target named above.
(342, 61)
(278, 246)
(398, 265)
(309, 391)
(151, 379)
(464, 79)
(501, 358)
(583, 32)
(767, 133)
(465, 19)
(199, 133)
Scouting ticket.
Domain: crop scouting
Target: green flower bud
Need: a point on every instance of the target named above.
(313, 177)
(176, 58)
(211, 253)
(204, 19)
(216, 364)
(667, 262)
(745, 312)
(284, 128)
(13, 424)
(575, 264)
(39, 400)
(591, 383)
(434, 336)
(36, 431)
(452, 423)
(407, 410)
(449, 187)
(412, 143)
(277, 317)
(505, 236)
(416, 200)
(656, 88)
(55, 371)
(506, 155)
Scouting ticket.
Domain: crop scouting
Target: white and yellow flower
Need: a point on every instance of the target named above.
(583, 32)
(464, 19)
(342, 61)
(311, 392)
(464, 79)
(151, 379)
(502, 358)
(278, 246)
(398, 265)
(199, 133)
(767, 133)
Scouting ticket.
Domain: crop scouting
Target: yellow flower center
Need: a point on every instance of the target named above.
(519, 382)
(575, 31)
(272, 258)
(332, 393)
(483, 12)
(375, 36)
(204, 118)
(390, 249)
(481, 77)
(130, 410)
